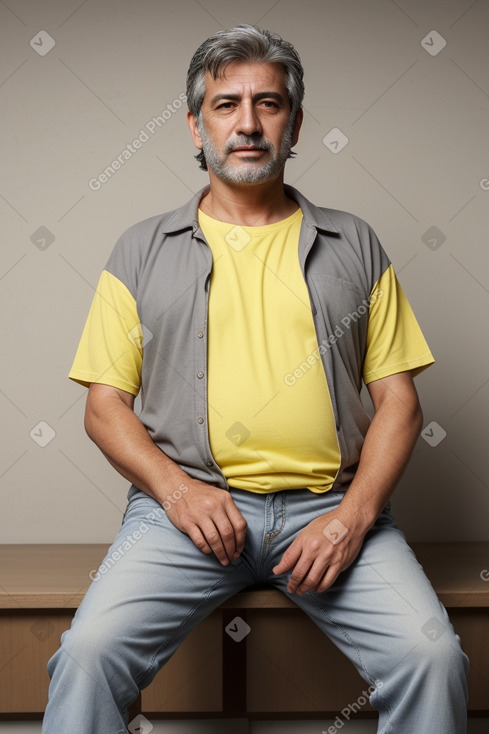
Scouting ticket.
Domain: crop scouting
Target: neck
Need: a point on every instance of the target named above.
(251, 205)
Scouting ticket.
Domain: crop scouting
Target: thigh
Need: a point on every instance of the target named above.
(382, 609)
(152, 588)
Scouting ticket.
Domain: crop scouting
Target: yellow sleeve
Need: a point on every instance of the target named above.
(110, 350)
(395, 342)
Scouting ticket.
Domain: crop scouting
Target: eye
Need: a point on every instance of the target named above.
(271, 105)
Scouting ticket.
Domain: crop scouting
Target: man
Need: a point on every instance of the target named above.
(248, 319)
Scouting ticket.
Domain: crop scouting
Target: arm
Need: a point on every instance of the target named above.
(208, 515)
(315, 560)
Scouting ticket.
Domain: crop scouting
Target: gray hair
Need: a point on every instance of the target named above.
(243, 43)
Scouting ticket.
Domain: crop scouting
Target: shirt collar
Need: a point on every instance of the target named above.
(186, 217)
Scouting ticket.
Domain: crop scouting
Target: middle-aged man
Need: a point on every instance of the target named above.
(248, 320)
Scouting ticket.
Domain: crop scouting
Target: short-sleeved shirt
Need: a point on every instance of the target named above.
(149, 330)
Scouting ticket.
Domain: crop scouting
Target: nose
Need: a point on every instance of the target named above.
(248, 122)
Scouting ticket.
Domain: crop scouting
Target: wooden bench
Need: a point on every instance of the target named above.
(284, 668)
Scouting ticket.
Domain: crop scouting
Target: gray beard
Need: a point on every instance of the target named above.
(244, 174)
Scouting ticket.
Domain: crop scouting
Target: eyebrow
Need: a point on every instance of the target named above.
(256, 97)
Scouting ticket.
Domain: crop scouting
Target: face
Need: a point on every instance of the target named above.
(245, 129)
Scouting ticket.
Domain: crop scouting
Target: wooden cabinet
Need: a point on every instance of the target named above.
(284, 666)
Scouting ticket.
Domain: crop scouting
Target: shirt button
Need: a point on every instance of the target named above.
(200, 375)
(200, 420)
(209, 462)
(200, 334)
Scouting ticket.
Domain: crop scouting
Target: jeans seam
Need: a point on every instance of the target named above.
(282, 525)
(270, 535)
(190, 614)
(344, 633)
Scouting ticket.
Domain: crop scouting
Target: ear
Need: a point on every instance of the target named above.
(297, 126)
(194, 130)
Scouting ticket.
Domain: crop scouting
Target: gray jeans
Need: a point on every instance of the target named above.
(155, 586)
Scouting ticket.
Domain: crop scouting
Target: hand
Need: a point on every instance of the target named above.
(209, 516)
(318, 554)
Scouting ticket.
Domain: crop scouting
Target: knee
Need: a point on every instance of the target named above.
(86, 648)
(439, 654)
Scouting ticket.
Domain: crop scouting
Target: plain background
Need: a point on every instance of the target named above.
(414, 115)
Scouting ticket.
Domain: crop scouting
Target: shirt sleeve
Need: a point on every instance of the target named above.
(111, 346)
(395, 342)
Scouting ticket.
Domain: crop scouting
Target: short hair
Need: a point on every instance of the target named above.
(243, 43)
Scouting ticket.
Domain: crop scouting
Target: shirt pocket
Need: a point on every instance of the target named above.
(342, 312)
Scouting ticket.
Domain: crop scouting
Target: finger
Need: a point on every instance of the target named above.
(227, 535)
(299, 574)
(198, 539)
(288, 560)
(213, 538)
(329, 578)
(314, 576)
(240, 527)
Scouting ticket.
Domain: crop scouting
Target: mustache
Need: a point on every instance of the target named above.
(256, 142)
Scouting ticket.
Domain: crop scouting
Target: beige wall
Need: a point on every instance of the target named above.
(417, 153)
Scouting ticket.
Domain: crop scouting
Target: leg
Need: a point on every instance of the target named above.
(152, 589)
(383, 614)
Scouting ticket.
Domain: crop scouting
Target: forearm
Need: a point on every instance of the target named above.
(205, 513)
(388, 445)
(119, 434)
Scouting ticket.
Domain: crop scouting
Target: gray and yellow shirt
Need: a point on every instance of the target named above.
(148, 332)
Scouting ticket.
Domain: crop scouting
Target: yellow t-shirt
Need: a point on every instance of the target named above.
(265, 435)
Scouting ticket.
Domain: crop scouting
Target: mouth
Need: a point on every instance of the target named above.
(248, 152)
(247, 148)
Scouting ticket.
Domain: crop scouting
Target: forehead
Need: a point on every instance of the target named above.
(240, 77)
